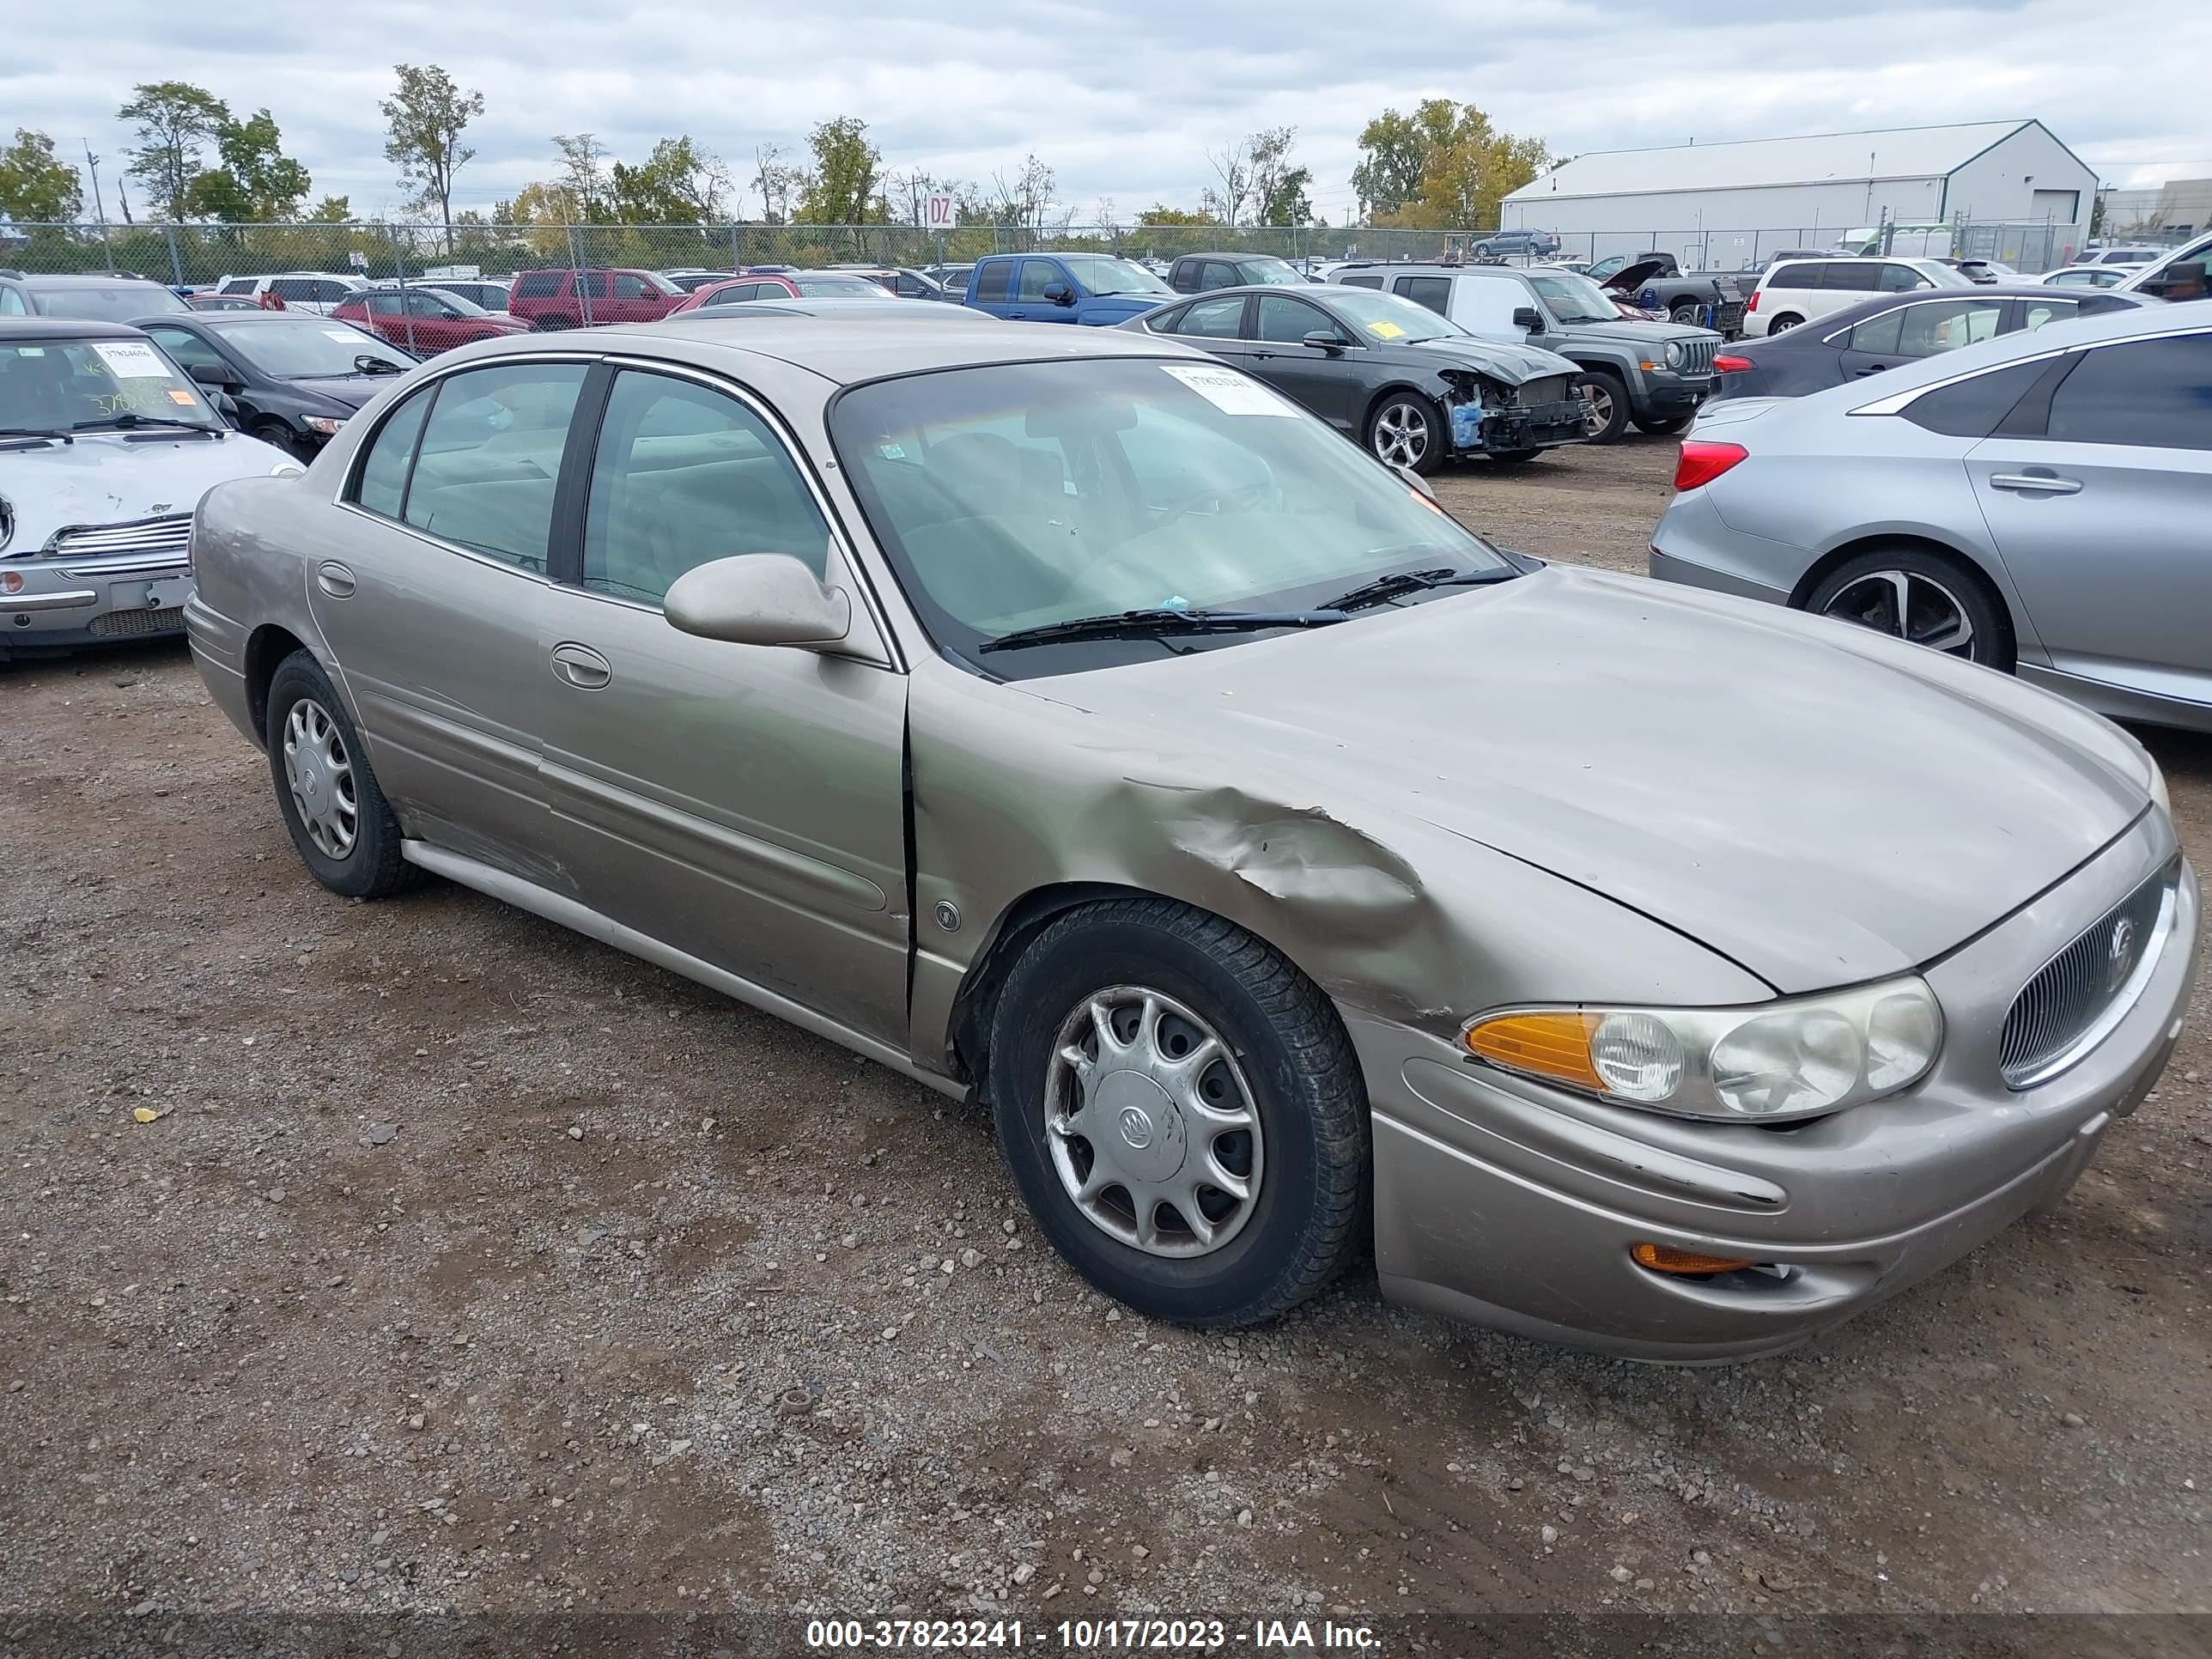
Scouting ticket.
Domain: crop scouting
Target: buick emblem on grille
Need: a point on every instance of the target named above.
(2120, 956)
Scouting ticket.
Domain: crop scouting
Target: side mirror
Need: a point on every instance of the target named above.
(758, 598)
(221, 376)
(1321, 340)
(1528, 317)
(1060, 293)
(225, 405)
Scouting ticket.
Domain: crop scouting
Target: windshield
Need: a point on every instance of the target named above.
(1280, 272)
(60, 385)
(1015, 495)
(1572, 298)
(459, 302)
(841, 288)
(1100, 273)
(102, 303)
(1389, 317)
(308, 348)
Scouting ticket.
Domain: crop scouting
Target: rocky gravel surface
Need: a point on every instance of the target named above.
(420, 1257)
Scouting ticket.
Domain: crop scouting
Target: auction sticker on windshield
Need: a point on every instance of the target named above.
(342, 336)
(128, 360)
(1228, 391)
(1385, 331)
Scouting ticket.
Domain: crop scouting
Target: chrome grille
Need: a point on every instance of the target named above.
(2081, 992)
(1697, 357)
(171, 535)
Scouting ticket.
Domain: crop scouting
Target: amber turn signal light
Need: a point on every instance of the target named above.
(1553, 1045)
(1666, 1259)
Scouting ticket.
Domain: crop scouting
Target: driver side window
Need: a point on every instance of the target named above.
(685, 475)
(1036, 274)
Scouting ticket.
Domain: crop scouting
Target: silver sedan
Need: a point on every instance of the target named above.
(2040, 503)
(1077, 726)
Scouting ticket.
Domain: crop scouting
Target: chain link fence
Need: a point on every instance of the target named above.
(2028, 246)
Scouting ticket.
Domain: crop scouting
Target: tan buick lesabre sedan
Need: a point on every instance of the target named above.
(1067, 721)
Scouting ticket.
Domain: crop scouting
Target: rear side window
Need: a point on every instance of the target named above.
(732, 295)
(490, 458)
(2036, 314)
(2154, 393)
(294, 288)
(1856, 275)
(1212, 319)
(1184, 277)
(1434, 292)
(538, 285)
(1972, 408)
(1794, 276)
(992, 279)
(1362, 282)
(383, 483)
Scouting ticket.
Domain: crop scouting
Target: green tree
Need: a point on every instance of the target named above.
(1279, 190)
(681, 183)
(333, 210)
(581, 185)
(1160, 214)
(1444, 164)
(845, 185)
(425, 118)
(257, 181)
(174, 120)
(35, 187)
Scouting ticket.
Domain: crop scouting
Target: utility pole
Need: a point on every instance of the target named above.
(100, 207)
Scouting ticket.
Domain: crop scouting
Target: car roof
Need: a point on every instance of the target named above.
(31, 331)
(1876, 304)
(2131, 323)
(83, 279)
(1247, 254)
(846, 352)
(826, 306)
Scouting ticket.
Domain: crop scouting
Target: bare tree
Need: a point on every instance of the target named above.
(778, 181)
(1022, 201)
(1233, 166)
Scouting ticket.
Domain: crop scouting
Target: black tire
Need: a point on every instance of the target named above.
(1861, 592)
(1605, 397)
(1668, 428)
(1393, 413)
(372, 866)
(282, 436)
(1308, 1216)
(1516, 457)
(1784, 322)
(1685, 314)
(1482, 250)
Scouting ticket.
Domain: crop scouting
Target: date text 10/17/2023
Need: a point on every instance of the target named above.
(1092, 1635)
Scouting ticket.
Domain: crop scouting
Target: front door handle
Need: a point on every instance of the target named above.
(334, 578)
(2037, 483)
(582, 667)
(1872, 369)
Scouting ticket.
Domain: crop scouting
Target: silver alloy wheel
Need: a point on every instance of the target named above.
(1151, 1124)
(320, 775)
(1907, 605)
(1402, 434)
(1597, 408)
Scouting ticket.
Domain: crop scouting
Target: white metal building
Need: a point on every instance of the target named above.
(1726, 205)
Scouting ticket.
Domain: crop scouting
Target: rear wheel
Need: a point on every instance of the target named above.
(1181, 1111)
(345, 832)
(1686, 313)
(1406, 430)
(1605, 406)
(1785, 323)
(1921, 596)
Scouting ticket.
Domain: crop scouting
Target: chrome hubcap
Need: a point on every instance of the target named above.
(1907, 605)
(1402, 434)
(1597, 408)
(1151, 1124)
(320, 773)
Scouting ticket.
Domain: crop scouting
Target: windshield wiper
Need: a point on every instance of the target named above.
(1413, 582)
(1158, 623)
(35, 432)
(131, 417)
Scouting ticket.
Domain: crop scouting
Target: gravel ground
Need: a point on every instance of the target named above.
(470, 1266)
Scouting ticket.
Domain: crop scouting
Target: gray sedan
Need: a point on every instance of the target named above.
(2039, 502)
(1076, 726)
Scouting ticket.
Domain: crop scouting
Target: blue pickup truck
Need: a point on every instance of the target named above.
(1093, 288)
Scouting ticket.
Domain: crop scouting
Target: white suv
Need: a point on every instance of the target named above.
(321, 292)
(1802, 291)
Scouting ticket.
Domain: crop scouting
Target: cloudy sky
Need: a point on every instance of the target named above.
(1122, 99)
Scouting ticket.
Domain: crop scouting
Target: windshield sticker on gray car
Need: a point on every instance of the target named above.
(129, 360)
(1228, 391)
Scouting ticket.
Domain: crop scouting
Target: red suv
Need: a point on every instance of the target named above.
(557, 299)
(423, 321)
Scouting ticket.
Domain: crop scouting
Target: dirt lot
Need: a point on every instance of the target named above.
(474, 1267)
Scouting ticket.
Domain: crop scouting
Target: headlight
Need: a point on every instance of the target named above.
(1796, 1058)
(323, 424)
(1676, 356)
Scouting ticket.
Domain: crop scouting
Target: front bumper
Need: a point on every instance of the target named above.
(1509, 1204)
(67, 603)
(1480, 430)
(1669, 396)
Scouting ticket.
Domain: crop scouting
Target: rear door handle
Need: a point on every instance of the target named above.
(1872, 369)
(334, 578)
(582, 667)
(2035, 483)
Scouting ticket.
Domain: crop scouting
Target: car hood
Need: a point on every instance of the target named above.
(1822, 806)
(1629, 278)
(347, 391)
(1515, 365)
(103, 479)
(1634, 333)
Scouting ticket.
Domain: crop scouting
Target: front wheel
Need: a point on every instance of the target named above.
(1605, 406)
(1406, 430)
(345, 832)
(1181, 1111)
(1921, 596)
